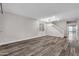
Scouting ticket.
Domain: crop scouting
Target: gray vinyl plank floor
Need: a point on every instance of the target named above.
(41, 46)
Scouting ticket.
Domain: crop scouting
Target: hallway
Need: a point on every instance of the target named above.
(73, 46)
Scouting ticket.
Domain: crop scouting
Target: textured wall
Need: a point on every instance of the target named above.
(16, 28)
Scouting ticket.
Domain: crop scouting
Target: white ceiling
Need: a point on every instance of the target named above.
(42, 10)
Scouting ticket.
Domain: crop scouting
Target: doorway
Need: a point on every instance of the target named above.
(72, 33)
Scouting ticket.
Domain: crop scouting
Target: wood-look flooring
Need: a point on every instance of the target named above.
(42, 46)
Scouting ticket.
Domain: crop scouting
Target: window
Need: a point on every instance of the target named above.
(72, 29)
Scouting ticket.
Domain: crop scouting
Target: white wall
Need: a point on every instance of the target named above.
(58, 30)
(16, 28)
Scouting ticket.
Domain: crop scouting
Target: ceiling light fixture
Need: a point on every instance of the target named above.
(50, 19)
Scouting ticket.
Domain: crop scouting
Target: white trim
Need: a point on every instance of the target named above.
(19, 40)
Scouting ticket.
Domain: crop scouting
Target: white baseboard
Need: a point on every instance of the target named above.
(3, 43)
